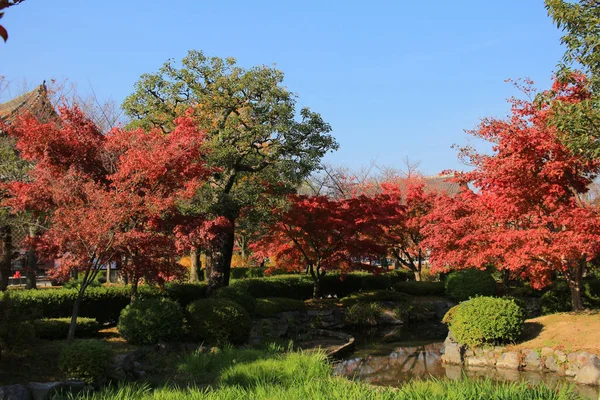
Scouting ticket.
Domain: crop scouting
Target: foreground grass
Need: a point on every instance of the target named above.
(271, 374)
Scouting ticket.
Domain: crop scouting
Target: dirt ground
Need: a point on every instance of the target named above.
(566, 331)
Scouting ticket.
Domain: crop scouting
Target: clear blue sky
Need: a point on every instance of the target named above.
(393, 78)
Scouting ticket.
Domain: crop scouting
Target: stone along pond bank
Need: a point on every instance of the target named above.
(583, 366)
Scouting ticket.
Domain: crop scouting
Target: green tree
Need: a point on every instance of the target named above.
(257, 145)
(580, 121)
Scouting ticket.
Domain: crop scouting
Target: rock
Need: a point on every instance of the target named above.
(561, 357)
(551, 364)
(14, 392)
(453, 353)
(533, 362)
(43, 391)
(477, 361)
(508, 360)
(589, 374)
(547, 351)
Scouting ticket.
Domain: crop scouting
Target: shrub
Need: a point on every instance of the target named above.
(268, 307)
(87, 360)
(400, 275)
(486, 320)
(364, 313)
(219, 320)
(16, 331)
(420, 288)
(239, 295)
(375, 296)
(247, 272)
(151, 320)
(292, 286)
(557, 298)
(185, 293)
(58, 328)
(462, 285)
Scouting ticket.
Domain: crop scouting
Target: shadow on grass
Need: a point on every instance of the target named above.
(531, 330)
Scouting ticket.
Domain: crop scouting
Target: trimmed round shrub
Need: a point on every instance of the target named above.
(58, 328)
(151, 320)
(218, 320)
(485, 320)
(462, 285)
(274, 305)
(86, 360)
(239, 295)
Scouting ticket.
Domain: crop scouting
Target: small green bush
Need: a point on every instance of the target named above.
(375, 296)
(58, 328)
(420, 288)
(185, 293)
(462, 285)
(298, 287)
(401, 275)
(268, 307)
(485, 320)
(218, 320)
(364, 313)
(239, 295)
(151, 320)
(87, 360)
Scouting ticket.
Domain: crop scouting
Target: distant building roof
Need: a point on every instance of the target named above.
(442, 184)
(35, 102)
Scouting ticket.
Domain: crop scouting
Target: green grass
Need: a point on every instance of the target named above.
(271, 374)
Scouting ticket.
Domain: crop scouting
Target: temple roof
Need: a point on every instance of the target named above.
(442, 184)
(35, 102)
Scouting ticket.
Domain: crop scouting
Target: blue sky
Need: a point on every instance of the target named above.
(393, 78)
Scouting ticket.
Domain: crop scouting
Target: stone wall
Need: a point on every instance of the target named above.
(583, 366)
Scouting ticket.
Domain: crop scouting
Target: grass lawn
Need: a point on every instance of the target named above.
(566, 331)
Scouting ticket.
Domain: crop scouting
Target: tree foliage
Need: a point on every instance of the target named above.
(109, 197)
(526, 215)
(316, 233)
(258, 149)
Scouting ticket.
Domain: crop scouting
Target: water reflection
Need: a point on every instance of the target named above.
(392, 357)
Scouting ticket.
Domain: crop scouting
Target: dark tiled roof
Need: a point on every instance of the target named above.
(35, 102)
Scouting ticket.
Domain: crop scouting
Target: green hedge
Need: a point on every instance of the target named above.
(58, 328)
(375, 296)
(268, 307)
(421, 288)
(462, 285)
(218, 320)
(87, 360)
(485, 320)
(239, 295)
(557, 298)
(151, 320)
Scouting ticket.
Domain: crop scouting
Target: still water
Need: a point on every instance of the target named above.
(392, 357)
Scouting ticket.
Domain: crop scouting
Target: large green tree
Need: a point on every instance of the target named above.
(259, 145)
(579, 121)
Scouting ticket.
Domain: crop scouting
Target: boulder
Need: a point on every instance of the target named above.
(589, 374)
(552, 365)
(453, 353)
(509, 360)
(14, 392)
(533, 361)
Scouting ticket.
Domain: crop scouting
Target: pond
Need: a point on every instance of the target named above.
(393, 356)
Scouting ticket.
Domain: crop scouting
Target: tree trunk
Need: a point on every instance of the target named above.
(575, 279)
(74, 314)
(217, 275)
(5, 261)
(134, 286)
(194, 265)
(32, 261)
(419, 267)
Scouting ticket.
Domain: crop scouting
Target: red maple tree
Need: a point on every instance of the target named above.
(526, 214)
(110, 197)
(403, 227)
(317, 233)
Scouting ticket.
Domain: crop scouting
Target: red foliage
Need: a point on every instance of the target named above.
(109, 197)
(318, 233)
(526, 214)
